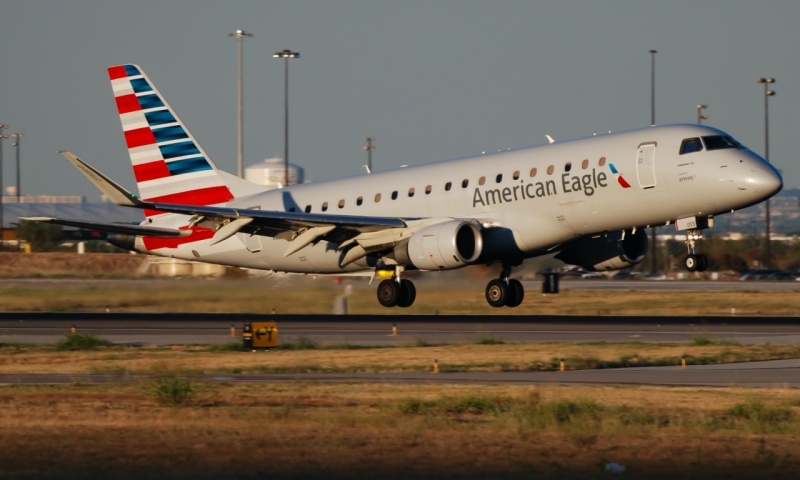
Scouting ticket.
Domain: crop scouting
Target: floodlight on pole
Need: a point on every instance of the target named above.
(18, 137)
(653, 122)
(767, 93)
(700, 116)
(3, 136)
(240, 36)
(369, 148)
(286, 55)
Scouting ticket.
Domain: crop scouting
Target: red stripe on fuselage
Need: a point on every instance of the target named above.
(139, 137)
(117, 72)
(198, 233)
(623, 182)
(202, 196)
(150, 171)
(127, 103)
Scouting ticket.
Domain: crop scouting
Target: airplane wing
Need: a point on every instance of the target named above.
(126, 228)
(300, 228)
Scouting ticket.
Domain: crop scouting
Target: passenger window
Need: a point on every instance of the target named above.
(602, 161)
(377, 197)
(533, 172)
(447, 186)
(325, 207)
(498, 178)
(359, 201)
(411, 192)
(568, 167)
(691, 145)
(516, 175)
(464, 183)
(550, 170)
(341, 203)
(394, 195)
(481, 180)
(308, 208)
(428, 190)
(585, 164)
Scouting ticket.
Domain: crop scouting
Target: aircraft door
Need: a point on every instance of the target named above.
(646, 165)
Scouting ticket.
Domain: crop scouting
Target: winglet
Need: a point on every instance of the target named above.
(550, 139)
(108, 187)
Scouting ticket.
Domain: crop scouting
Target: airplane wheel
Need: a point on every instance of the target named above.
(702, 263)
(691, 263)
(515, 286)
(496, 293)
(408, 293)
(389, 293)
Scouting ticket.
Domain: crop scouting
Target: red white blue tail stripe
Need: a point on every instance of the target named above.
(168, 163)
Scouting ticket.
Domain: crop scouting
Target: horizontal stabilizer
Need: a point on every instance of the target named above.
(126, 228)
(111, 189)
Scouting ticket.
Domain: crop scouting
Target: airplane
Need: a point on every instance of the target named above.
(585, 201)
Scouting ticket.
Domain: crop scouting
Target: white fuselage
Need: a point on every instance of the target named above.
(545, 195)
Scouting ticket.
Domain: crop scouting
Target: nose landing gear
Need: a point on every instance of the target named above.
(397, 292)
(694, 262)
(505, 291)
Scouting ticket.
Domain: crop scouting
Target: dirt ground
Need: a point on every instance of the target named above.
(390, 432)
(71, 264)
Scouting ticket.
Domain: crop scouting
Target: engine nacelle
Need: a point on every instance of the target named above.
(612, 251)
(443, 246)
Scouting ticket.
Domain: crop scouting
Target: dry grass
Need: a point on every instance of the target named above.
(300, 430)
(317, 296)
(464, 357)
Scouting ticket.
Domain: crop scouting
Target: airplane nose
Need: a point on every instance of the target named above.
(765, 181)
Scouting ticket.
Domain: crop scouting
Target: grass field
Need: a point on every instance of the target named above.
(304, 356)
(306, 430)
(317, 296)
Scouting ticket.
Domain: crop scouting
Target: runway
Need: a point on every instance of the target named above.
(771, 374)
(165, 329)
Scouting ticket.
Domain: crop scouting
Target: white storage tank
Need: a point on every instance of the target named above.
(270, 173)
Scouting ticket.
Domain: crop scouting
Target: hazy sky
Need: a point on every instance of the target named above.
(430, 79)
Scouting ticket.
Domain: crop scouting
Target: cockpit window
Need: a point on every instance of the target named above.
(720, 142)
(691, 145)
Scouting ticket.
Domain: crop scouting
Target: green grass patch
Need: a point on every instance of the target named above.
(172, 390)
(489, 340)
(82, 341)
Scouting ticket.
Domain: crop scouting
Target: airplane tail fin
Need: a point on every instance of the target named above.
(170, 166)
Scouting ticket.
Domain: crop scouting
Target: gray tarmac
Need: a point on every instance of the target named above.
(160, 329)
(771, 374)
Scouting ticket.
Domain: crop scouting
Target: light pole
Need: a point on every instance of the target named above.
(18, 136)
(3, 136)
(653, 122)
(286, 55)
(240, 36)
(767, 93)
(700, 116)
(369, 148)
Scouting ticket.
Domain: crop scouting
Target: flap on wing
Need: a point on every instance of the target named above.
(289, 220)
(125, 228)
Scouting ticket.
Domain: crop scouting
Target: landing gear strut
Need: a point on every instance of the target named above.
(694, 262)
(397, 292)
(505, 291)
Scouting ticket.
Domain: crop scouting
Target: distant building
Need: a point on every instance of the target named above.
(270, 173)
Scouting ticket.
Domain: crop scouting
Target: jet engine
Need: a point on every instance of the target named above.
(442, 246)
(612, 251)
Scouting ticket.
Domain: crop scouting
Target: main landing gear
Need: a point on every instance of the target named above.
(505, 291)
(695, 262)
(397, 292)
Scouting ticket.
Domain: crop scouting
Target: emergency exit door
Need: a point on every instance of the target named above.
(646, 165)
